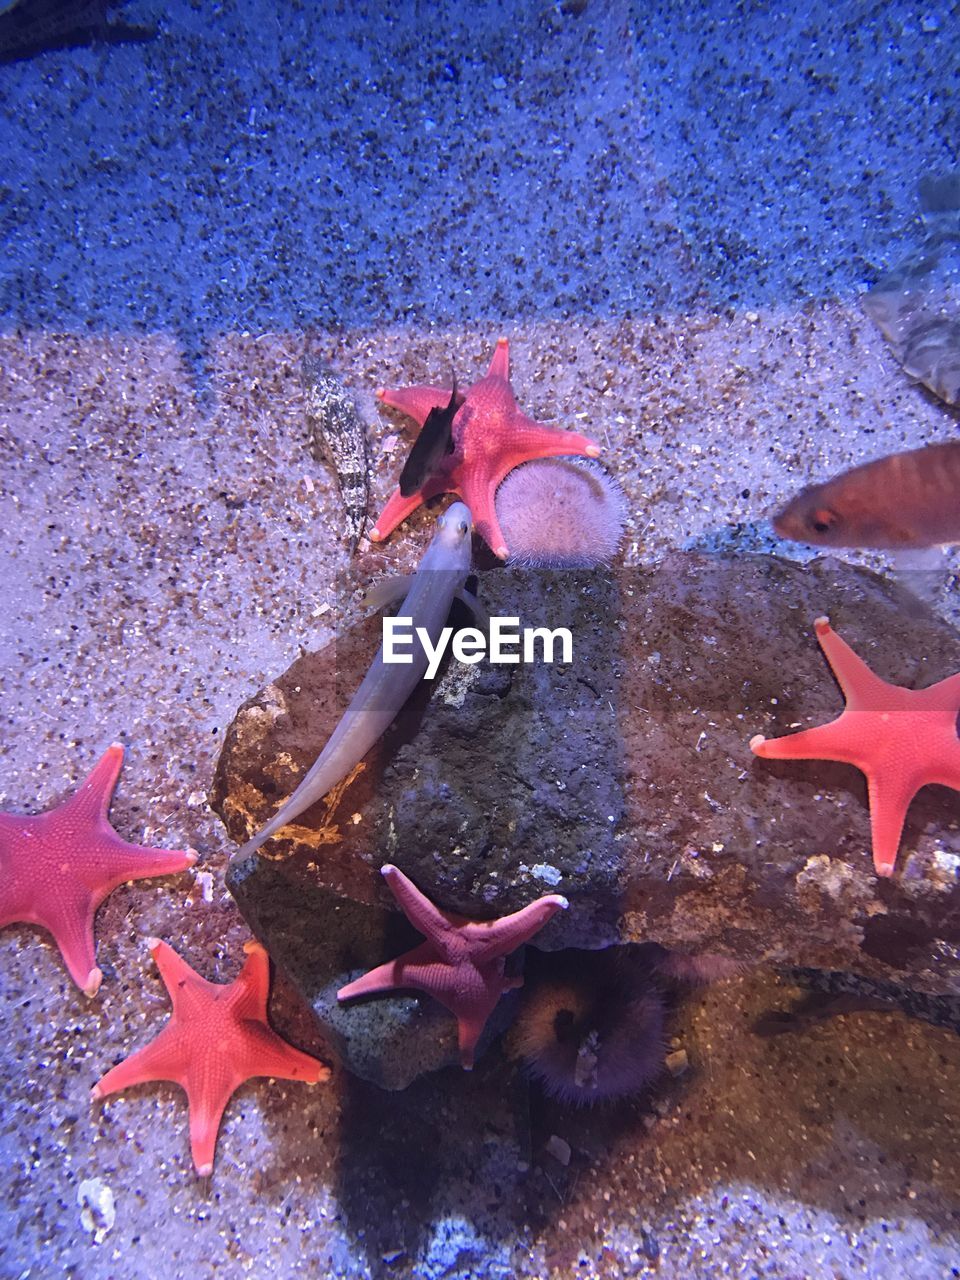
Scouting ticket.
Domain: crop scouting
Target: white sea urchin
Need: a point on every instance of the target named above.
(560, 513)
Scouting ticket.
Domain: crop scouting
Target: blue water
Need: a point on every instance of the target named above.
(274, 165)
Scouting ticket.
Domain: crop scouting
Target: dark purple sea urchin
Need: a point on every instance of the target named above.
(557, 513)
(591, 1027)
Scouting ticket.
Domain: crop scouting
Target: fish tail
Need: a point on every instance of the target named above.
(254, 843)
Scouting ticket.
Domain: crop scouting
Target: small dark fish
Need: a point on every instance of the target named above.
(907, 499)
(338, 435)
(431, 446)
(29, 27)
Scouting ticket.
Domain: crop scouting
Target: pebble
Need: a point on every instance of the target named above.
(559, 1149)
(677, 1062)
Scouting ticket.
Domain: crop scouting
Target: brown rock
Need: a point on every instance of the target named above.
(625, 781)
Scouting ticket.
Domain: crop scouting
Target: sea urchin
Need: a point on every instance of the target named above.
(591, 1026)
(556, 513)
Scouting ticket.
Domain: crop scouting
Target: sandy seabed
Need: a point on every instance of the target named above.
(170, 544)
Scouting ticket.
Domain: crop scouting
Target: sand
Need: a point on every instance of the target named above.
(672, 219)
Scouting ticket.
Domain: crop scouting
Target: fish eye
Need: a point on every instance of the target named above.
(823, 520)
(464, 527)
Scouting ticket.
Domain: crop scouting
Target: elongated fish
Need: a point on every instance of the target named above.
(917, 304)
(338, 434)
(29, 27)
(907, 499)
(431, 446)
(427, 599)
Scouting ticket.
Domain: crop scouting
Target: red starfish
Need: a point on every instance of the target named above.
(57, 867)
(217, 1038)
(490, 436)
(462, 962)
(900, 738)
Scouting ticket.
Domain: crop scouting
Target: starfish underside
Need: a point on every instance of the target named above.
(462, 962)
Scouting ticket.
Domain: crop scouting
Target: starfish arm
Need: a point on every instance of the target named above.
(398, 507)
(471, 1001)
(162, 1059)
(500, 364)
(427, 973)
(944, 695)
(480, 500)
(71, 923)
(206, 1111)
(530, 440)
(415, 402)
(469, 1029)
(253, 982)
(91, 800)
(86, 812)
(395, 974)
(831, 741)
(269, 1055)
(487, 942)
(119, 861)
(945, 767)
(418, 909)
(395, 512)
(890, 795)
(862, 688)
(185, 986)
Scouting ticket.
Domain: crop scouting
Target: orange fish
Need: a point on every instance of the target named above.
(907, 499)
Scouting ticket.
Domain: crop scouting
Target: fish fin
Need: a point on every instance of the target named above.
(476, 608)
(387, 592)
(452, 408)
(909, 560)
(940, 194)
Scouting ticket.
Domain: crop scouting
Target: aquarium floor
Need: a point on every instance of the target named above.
(164, 556)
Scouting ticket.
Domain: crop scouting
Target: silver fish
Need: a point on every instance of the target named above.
(338, 435)
(917, 305)
(427, 598)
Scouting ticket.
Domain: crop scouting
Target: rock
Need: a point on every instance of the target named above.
(771, 861)
(497, 786)
(559, 1148)
(625, 780)
(677, 1062)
